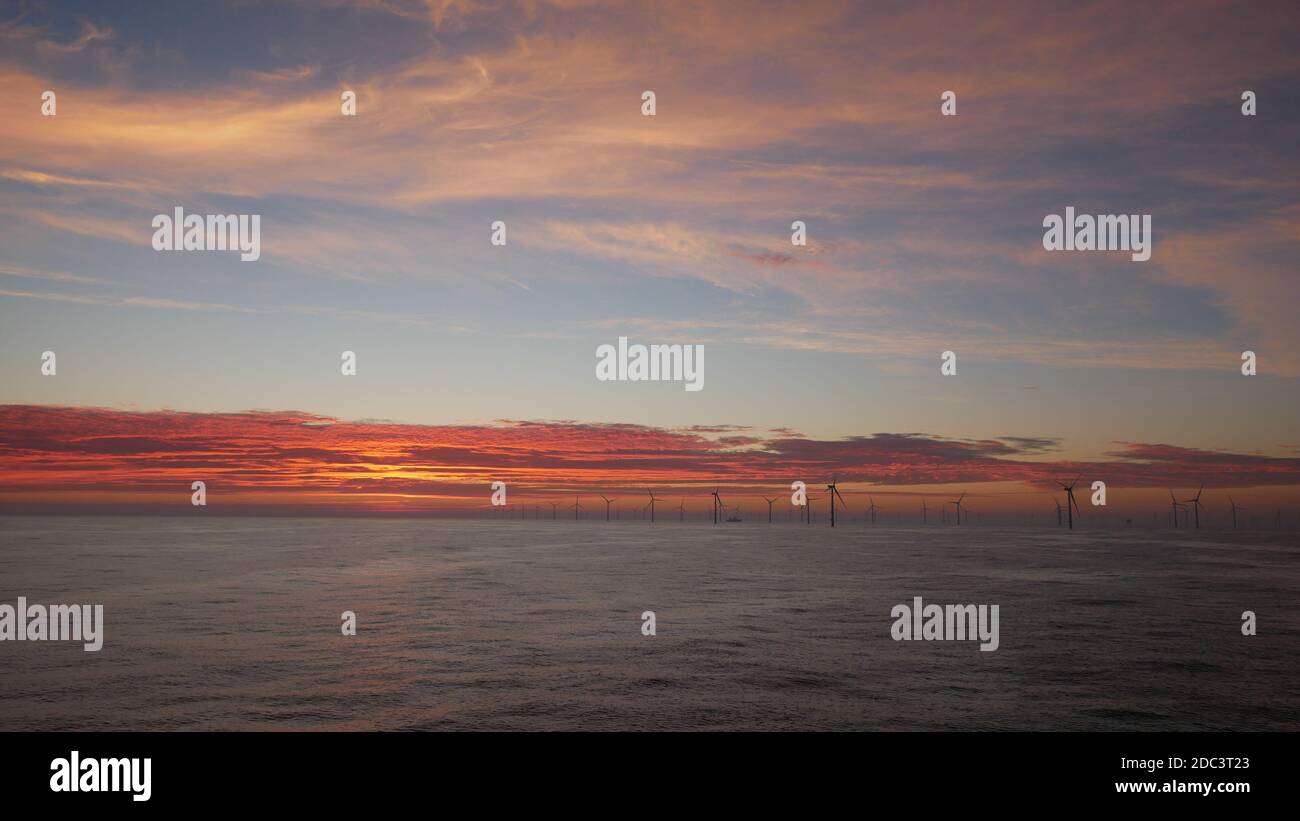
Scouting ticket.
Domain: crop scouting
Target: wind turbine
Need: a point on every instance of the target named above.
(681, 511)
(873, 508)
(717, 505)
(834, 493)
(651, 505)
(554, 506)
(1176, 504)
(957, 502)
(1235, 508)
(1059, 522)
(769, 508)
(1195, 502)
(576, 507)
(1070, 505)
(608, 502)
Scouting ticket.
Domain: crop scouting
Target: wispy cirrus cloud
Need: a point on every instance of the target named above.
(53, 276)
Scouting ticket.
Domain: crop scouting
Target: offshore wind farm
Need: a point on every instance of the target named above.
(909, 508)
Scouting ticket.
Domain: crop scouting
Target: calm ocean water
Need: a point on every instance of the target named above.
(226, 623)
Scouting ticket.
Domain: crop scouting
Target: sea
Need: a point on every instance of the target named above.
(225, 623)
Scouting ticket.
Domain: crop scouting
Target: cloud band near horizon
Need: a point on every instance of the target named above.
(295, 460)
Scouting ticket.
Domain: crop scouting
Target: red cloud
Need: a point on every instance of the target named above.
(49, 455)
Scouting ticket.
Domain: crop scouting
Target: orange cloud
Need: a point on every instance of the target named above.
(289, 460)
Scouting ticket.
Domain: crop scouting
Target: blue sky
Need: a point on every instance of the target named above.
(925, 231)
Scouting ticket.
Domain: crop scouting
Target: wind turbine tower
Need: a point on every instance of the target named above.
(1195, 502)
(957, 502)
(834, 493)
(1235, 508)
(1070, 504)
(651, 505)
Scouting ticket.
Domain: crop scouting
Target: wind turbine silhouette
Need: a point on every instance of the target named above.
(957, 502)
(651, 505)
(576, 507)
(1070, 505)
(1235, 508)
(608, 502)
(554, 507)
(769, 508)
(717, 505)
(834, 493)
(925, 513)
(1059, 522)
(1195, 502)
(1176, 504)
(681, 511)
(872, 500)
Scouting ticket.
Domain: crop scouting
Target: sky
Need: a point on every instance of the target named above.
(924, 235)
